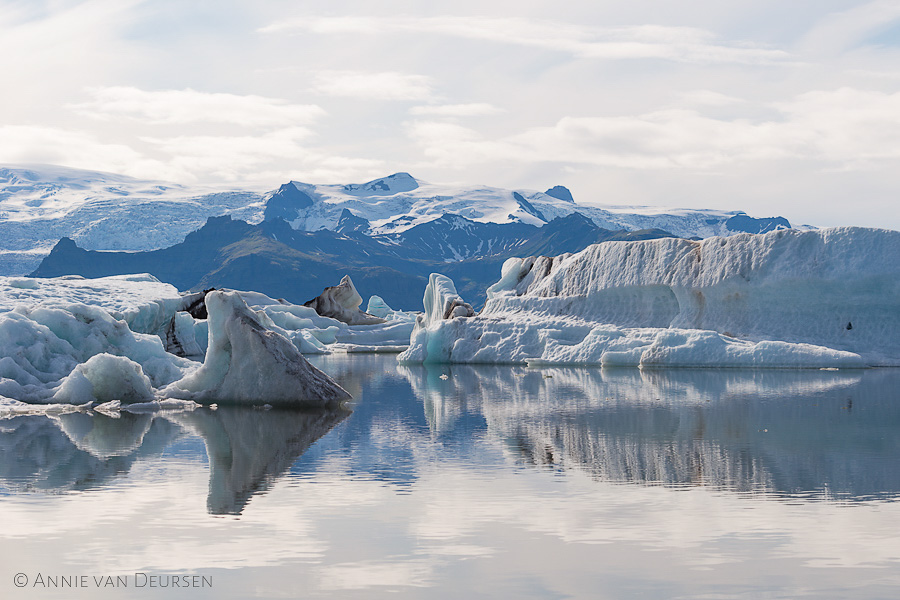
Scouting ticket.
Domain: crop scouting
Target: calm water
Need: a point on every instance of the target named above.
(496, 482)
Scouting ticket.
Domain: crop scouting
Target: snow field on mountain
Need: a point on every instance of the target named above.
(41, 204)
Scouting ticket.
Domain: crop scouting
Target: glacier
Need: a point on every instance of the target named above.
(399, 202)
(817, 299)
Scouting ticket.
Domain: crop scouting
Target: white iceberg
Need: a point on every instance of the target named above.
(245, 362)
(105, 378)
(439, 325)
(828, 298)
(59, 352)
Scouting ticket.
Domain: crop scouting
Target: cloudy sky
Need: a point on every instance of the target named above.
(772, 107)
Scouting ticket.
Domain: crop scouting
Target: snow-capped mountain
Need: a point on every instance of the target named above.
(40, 204)
(394, 204)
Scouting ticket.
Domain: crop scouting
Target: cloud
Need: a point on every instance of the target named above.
(851, 129)
(388, 85)
(50, 145)
(190, 106)
(708, 98)
(839, 31)
(272, 156)
(680, 44)
(478, 109)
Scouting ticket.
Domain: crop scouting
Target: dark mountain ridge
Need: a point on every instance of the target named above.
(283, 262)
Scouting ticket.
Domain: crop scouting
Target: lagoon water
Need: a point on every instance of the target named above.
(488, 482)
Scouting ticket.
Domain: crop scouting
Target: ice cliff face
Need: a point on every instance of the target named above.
(783, 298)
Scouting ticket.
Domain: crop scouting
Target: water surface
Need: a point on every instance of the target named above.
(481, 482)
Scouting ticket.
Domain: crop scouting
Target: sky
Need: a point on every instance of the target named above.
(771, 107)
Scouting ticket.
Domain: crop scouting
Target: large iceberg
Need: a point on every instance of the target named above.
(72, 342)
(828, 298)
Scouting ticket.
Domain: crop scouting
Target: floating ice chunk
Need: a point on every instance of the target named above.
(378, 307)
(686, 348)
(436, 330)
(610, 346)
(40, 345)
(105, 378)
(342, 302)
(245, 362)
(186, 336)
(827, 298)
(441, 301)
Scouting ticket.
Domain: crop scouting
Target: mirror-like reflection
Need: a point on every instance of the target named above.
(468, 481)
(77, 451)
(820, 434)
(788, 432)
(249, 449)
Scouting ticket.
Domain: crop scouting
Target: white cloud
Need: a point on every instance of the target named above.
(266, 158)
(478, 109)
(50, 145)
(190, 106)
(681, 44)
(389, 85)
(840, 31)
(708, 98)
(848, 128)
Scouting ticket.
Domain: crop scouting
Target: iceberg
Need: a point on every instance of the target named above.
(246, 362)
(440, 324)
(826, 298)
(342, 302)
(64, 354)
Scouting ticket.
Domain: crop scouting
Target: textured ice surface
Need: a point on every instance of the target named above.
(245, 362)
(342, 302)
(74, 341)
(784, 299)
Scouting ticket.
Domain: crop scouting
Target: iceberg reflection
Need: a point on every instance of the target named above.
(796, 433)
(249, 449)
(77, 451)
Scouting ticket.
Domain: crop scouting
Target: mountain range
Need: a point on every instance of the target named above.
(274, 258)
(296, 239)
